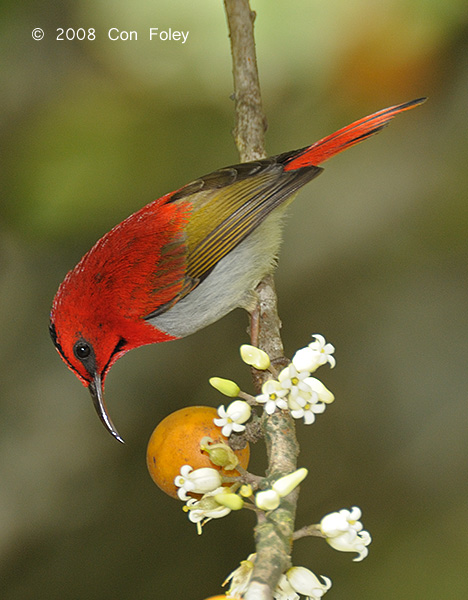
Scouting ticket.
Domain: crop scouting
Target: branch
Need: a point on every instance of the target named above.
(273, 533)
(249, 133)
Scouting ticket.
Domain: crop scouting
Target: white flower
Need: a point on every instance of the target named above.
(284, 590)
(240, 577)
(304, 582)
(323, 350)
(292, 380)
(198, 481)
(202, 511)
(231, 419)
(344, 532)
(306, 409)
(308, 404)
(307, 359)
(273, 396)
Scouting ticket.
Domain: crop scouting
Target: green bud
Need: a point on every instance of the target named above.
(225, 386)
(232, 501)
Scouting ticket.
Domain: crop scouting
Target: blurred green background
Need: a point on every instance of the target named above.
(374, 258)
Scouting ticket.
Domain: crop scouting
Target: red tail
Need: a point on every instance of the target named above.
(348, 136)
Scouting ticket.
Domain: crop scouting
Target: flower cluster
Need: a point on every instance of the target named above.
(342, 530)
(296, 582)
(294, 389)
(217, 501)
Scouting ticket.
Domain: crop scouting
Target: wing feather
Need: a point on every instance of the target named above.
(226, 206)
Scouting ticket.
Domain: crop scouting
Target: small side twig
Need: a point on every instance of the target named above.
(308, 531)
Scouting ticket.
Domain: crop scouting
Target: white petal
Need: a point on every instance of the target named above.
(323, 393)
(306, 583)
(182, 494)
(284, 590)
(237, 427)
(239, 411)
(227, 429)
(358, 544)
(305, 359)
(222, 411)
(333, 524)
(297, 414)
(185, 470)
(271, 386)
(296, 403)
(319, 339)
(204, 480)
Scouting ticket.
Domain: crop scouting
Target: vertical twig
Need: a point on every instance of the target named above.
(249, 132)
(273, 533)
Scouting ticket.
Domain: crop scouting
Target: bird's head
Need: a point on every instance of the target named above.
(91, 328)
(89, 350)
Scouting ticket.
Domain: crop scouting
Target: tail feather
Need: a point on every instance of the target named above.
(347, 137)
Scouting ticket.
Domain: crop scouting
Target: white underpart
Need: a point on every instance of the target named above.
(230, 285)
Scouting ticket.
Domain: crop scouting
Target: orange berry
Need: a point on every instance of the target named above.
(176, 442)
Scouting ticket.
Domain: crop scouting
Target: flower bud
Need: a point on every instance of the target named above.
(267, 500)
(285, 485)
(323, 393)
(225, 386)
(246, 490)
(219, 453)
(232, 501)
(255, 357)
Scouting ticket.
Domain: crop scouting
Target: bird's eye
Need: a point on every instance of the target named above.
(82, 350)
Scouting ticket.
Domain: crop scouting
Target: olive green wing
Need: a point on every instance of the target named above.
(226, 206)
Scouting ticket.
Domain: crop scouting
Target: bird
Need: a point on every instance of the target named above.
(186, 259)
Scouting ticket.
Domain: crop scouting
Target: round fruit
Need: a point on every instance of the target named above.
(176, 442)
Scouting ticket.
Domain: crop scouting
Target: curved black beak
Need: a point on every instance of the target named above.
(95, 389)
